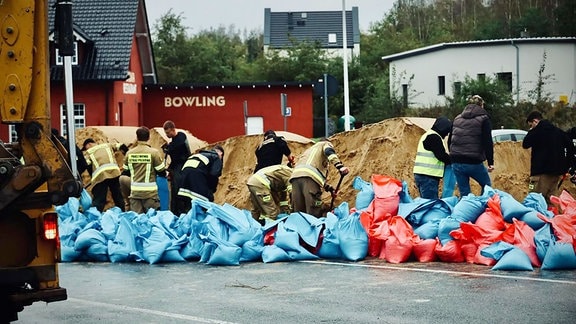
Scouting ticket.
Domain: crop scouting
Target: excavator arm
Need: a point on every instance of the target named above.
(25, 102)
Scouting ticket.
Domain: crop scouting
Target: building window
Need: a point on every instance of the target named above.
(332, 38)
(506, 79)
(12, 134)
(481, 77)
(79, 118)
(60, 59)
(441, 85)
(457, 88)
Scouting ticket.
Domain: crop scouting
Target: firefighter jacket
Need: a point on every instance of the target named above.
(275, 178)
(143, 162)
(314, 162)
(426, 162)
(200, 176)
(270, 152)
(101, 158)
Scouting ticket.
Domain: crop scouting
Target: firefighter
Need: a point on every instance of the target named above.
(269, 191)
(143, 163)
(271, 150)
(104, 172)
(200, 176)
(309, 177)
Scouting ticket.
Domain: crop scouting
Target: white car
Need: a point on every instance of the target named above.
(501, 135)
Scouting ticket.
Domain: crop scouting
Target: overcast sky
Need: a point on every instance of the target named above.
(249, 14)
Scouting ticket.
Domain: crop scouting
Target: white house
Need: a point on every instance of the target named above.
(427, 76)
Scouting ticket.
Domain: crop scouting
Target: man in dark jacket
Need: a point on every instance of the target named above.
(470, 144)
(178, 150)
(551, 157)
(199, 179)
(431, 157)
(271, 150)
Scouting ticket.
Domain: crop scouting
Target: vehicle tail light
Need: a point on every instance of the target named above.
(50, 226)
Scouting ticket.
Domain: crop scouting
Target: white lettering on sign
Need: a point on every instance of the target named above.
(199, 101)
(130, 88)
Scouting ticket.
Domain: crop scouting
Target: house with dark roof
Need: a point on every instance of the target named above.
(113, 60)
(284, 29)
(429, 75)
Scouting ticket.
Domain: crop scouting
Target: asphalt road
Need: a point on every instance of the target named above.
(370, 291)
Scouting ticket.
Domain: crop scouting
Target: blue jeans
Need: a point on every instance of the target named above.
(427, 186)
(465, 171)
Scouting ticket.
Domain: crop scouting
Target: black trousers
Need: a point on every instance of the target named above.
(100, 193)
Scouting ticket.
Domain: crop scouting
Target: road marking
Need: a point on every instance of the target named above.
(441, 271)
(149, 311)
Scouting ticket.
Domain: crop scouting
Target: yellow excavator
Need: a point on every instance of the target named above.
(35, 171)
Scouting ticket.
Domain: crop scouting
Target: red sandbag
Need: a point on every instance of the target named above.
(424, 250)
(524, 239)
(386, 198)
(374, 244)
(492, 218)
(400, 242)
(480, 259)
(480, 235)
(450, 252)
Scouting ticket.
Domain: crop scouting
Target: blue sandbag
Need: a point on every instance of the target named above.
(542, 239)
(69, 254)
(428, 230)
(341, 211)
(307, 226)
(330, 248)
(514, 260)
(536, 201)
(404, 194)
(155, 245)
(353, 238)
(287, 240)
(272, 253)
(469, 208)
(109, 221)
(89, 237)
(251, 251)
(496, 250)
(301, 254)
(511, 208)
(366, 194)
(531, 219)
(163, 193)
(446, 226)
(98, 252)
(225, 254)
(559, 256)
(193, 248)
(122, 247)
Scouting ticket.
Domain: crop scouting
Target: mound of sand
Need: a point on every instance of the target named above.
(387, 148)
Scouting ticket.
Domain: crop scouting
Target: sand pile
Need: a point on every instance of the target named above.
(387, 148)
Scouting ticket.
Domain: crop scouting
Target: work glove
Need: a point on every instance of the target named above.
(291, 162)
(123, 148)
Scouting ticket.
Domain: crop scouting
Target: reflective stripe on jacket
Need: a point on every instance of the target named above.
(275, 178)
(143, 162)
(426, 162)
(314, 162)
(104, 165)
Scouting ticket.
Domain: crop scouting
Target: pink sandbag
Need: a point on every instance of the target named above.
(424, 250)
(492, 218)
(398, 246)
(467, 245)
(564, 227)
(480, 259)
(565, 203)
(450, 252)
(524, 239)
(386, 198)
(367, 221)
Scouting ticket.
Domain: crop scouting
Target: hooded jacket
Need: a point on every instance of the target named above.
(552, 149)
(431, 155)
(471, 138)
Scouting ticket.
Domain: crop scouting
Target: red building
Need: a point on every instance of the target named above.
(115, 84)
(216, 112)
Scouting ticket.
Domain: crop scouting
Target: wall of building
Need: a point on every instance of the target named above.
(215, 113)
(455, 63)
